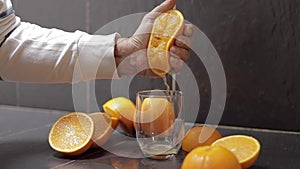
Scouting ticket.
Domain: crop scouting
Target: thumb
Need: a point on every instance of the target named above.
(165, 6)
(146, 25)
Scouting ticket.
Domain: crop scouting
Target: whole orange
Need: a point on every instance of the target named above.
(200, 136)
(210, 157)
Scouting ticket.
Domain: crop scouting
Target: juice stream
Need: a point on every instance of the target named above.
(166, 82)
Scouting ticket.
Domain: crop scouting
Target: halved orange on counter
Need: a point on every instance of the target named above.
(246, 148)
(124, 110)
(72, 134)
(103, 128)
(166, 27)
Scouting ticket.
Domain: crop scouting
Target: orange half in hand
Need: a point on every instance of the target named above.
(72, 134)
(166, 27)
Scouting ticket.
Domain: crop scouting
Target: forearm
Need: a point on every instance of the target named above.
(35, 54)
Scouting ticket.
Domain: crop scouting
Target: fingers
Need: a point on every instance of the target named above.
(188, 30)
(183, 42)
(166, 5)
(176, 64)
(149, 18)
(180, 53)
(163, 7)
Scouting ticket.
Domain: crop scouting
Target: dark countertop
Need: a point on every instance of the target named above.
(24, 145)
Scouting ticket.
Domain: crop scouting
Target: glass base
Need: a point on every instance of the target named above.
(160, 151)
(163, 156)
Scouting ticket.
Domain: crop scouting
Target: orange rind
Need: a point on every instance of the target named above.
(210, 157)
(115, 122)
(103, 128)
(124, 110)
(200, 136)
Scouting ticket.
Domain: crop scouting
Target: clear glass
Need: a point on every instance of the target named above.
(159, 123)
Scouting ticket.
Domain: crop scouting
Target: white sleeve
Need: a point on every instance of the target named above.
(35, 54)
(8, 20)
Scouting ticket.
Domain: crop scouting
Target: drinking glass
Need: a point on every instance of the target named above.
(159, 123)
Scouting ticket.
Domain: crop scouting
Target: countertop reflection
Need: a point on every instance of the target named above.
(24, 133)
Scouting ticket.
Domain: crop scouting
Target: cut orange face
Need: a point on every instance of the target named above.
(210, 157)
(123, 109)
(245, 148)
(166, 27)
(72, 134)
(103, 128)
(200, 136)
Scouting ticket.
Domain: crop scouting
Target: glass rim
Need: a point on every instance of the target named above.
(143, 93)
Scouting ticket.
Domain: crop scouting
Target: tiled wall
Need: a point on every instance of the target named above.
(258, 43)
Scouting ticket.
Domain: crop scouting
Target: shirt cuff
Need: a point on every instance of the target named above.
(96, 58)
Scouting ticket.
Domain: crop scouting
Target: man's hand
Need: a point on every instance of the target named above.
(131, 53)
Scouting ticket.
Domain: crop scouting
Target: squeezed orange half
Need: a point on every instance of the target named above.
(166, 27)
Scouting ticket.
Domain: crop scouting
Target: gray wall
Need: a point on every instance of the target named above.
(259, 45)
(257, 40)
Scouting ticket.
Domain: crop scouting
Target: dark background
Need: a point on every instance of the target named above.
(258, 42)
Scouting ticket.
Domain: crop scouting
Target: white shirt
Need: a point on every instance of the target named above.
(35, 54)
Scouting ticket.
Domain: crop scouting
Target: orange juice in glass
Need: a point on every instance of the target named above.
(159, 123)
